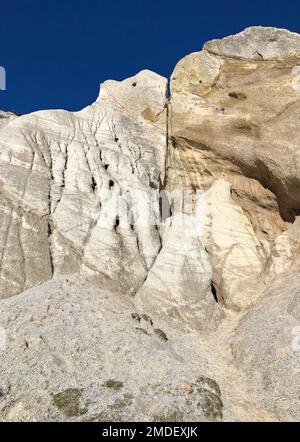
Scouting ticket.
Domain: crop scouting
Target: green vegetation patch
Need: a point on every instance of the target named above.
(69, 402)
(113, 384)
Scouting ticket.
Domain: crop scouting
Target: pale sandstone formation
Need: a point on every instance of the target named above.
(239, 100)
(216, 234)
(67, 178)
(150, 298)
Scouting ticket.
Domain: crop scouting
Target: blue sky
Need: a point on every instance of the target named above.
(56, 53)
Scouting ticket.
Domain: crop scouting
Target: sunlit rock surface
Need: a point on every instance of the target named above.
(239, 100)
(65, 177)
(149, 246)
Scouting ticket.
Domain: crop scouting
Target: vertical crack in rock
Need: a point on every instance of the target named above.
(50, 248)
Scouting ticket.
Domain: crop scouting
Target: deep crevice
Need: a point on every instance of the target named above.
(94, 184)
(50, 251)
(214, 292)
(117, 223)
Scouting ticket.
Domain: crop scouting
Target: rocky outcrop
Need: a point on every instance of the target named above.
(223, 102)
(146, 243)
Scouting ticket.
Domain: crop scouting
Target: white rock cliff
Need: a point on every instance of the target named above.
(148, 242)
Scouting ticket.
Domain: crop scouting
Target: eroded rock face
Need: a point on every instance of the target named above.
(223, 102)
(69, 180)
(167, 232)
